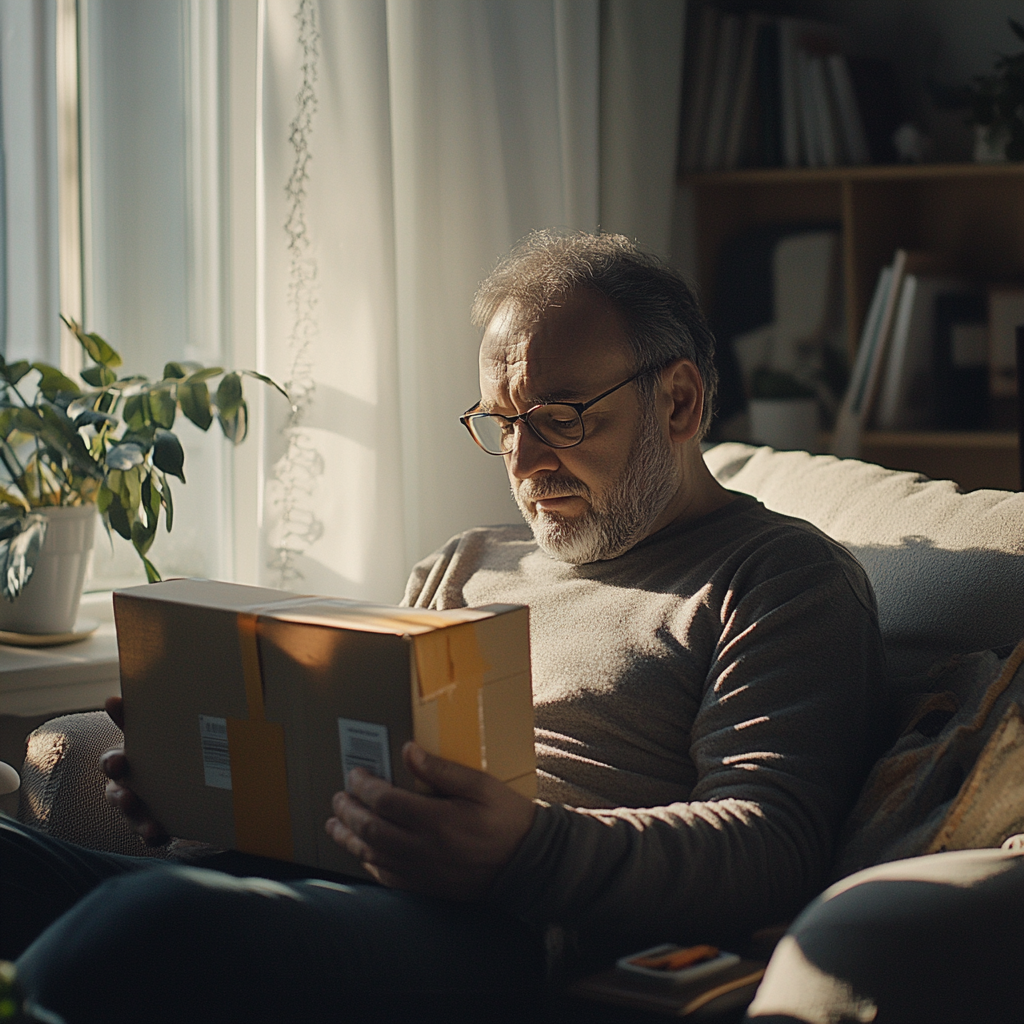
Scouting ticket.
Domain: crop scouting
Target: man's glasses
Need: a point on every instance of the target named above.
(557, 424)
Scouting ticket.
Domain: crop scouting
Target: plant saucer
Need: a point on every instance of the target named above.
(83, 628)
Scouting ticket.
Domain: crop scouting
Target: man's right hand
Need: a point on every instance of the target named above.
(114, 765)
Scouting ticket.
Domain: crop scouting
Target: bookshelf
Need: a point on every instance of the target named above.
(973, 214)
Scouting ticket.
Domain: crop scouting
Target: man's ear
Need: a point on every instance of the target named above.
(682, 385)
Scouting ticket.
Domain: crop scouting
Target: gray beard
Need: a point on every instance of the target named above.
(621, 519)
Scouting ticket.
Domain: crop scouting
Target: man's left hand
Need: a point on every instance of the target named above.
(451, 843)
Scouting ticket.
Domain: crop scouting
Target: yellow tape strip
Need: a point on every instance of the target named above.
(259, 769)
(451, 671)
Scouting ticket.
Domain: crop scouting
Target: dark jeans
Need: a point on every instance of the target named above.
(103, 937)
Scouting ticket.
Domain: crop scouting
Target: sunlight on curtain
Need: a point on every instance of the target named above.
(420, 140)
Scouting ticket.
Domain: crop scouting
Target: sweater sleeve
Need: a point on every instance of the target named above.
(782, 740)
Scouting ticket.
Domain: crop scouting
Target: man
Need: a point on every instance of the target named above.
(705, 679)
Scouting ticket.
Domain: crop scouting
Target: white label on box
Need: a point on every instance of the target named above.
(364, 745)
(216, 763)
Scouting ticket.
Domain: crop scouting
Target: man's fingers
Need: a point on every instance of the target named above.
(380, 835)
(445, 777)
(114, 764)
(115, 711)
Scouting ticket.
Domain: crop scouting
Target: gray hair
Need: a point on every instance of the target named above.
(663, 321)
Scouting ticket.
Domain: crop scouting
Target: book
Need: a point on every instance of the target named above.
(722, 89)
(768, 99)
(698, 88)
(828, 142)
(810, 138)
(907, 399)
(851, 125)
(961, 361)
(789, 91)
(728, 989)
(739, 119)
(849, 422)
(1005, 315)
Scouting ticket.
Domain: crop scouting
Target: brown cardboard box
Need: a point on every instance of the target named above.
(244, 707)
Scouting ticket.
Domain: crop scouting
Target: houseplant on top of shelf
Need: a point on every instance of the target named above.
(997, 107)
(68, 451)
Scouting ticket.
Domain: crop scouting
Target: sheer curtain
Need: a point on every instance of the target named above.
(314, 189)
(400, 148)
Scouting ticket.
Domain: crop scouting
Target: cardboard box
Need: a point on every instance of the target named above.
(245, 707)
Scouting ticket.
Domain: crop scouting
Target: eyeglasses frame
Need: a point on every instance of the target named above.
(579, 407)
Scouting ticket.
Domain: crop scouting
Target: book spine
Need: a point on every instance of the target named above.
(721, 94)
(846, 440)
(823, 113)
(851, 124)
(699, 88)
(891, 400)
(811, 142)
(740, 119)
(789, 92)
(768, 95)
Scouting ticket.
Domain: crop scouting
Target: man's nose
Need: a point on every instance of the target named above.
(529, 455)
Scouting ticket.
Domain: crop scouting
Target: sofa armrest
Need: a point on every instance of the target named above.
(62, 786)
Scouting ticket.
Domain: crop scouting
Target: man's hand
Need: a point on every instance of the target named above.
(452, 843)
(114, 765)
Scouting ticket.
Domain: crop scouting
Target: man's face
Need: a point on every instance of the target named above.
(595, 500)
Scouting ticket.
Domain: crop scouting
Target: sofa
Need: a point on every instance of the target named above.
(948, 573)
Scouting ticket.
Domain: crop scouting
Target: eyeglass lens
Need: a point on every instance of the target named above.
(559, 426)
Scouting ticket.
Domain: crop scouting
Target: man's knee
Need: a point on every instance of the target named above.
(169, 941)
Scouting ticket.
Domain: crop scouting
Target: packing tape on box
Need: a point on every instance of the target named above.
(259, 773)
(451, 671)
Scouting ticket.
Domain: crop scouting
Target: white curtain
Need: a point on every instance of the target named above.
(402, 147)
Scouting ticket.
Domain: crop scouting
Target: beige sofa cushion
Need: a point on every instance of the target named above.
(947, 567)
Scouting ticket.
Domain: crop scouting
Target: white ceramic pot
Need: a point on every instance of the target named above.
(49, 601)
(990, 144)
(784, 423)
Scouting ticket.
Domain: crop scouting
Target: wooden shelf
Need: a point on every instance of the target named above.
(971, 214)
(874, 172)
(972, 458)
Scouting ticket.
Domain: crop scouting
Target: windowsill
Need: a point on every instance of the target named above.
(73, 677)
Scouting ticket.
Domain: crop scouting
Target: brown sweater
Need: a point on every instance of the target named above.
(704, 718)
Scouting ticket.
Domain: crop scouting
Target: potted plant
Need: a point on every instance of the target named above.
(69, 450)
(783, 410)
(997, 103)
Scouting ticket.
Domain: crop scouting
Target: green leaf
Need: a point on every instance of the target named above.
(136, 412)
(124, 457)
(142, 536)
(133, 486)
(195, 404)
(168, 455)
(118, 518)
(90, 418)
(152, 576)
(99, 350)
(13, 372)
(236, 426)
(168, 503)
(162, 407)
(175, 371)
(267, 380)
(51, 380)
(98, 376)
(104, 498)
(229, 394)
(203, 373)
(19, 553)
